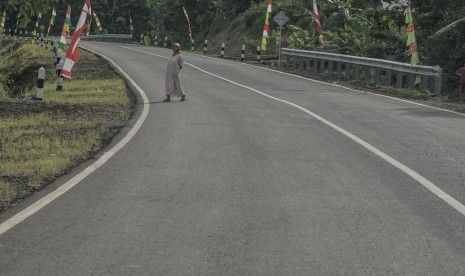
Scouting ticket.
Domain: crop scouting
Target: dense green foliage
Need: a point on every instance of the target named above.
(372, 28)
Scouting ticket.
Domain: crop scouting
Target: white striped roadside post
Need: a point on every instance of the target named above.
(21, 35)
(55, 51)
(40, 84)
(192, 45)
(26, 38)
(9, 34)
(166, 41)
(222, 50)
(243, 53)
(258, 54)
(141, 39)
(60, 64)
(155, 42)
(205, 47)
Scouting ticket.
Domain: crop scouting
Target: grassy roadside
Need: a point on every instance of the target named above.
(42, 140)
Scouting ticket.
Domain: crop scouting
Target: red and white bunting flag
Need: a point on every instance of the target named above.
(73, 51)
(188, 22)
(316, 17)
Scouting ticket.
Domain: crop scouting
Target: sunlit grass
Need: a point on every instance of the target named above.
(42, 146)
(109, 91)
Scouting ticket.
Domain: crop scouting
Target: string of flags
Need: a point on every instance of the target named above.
(131, 28)
(97, 21)
(266, 27)
(65, 30)
(411, 40)
(73, 51)
(36, 27)
(316, 17)
(89, 23)
(188, 22)
(52, 20)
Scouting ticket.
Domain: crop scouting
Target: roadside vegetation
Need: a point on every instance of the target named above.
(41, 140)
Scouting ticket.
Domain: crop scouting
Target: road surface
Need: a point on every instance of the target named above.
(258, 173)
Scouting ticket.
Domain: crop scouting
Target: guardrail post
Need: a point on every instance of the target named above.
(388, 79)
(315, 66)
(339, 70)
(438, 81)
(424, 83)
(367, 70)
(411, 80)
(357, 72)
(400, 79)
(377, 76)
(330, 67)
(348, 69)
(243, 53)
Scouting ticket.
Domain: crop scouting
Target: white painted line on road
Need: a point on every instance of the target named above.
(416, 176)
(317, 81)
(361, 91)
(21, 216)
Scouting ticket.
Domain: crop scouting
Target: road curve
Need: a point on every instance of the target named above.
(258, 173)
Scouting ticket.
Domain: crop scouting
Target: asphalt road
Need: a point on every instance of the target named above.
(258, 173)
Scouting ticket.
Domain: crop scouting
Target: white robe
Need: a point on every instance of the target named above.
(172, 83)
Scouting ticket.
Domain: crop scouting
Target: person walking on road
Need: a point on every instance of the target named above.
(172, 82)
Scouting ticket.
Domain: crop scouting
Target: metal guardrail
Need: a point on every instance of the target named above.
(380, 72)
(115, 38)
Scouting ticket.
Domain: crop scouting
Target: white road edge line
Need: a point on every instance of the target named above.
(35, 207)
(322, 82)
(416, 176)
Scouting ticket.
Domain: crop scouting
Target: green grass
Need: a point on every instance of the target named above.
(43, 146)
(109, 91)
(35, 148)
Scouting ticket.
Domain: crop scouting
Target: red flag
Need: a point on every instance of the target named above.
(188, 22)
(316, 17)
(73, 51)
